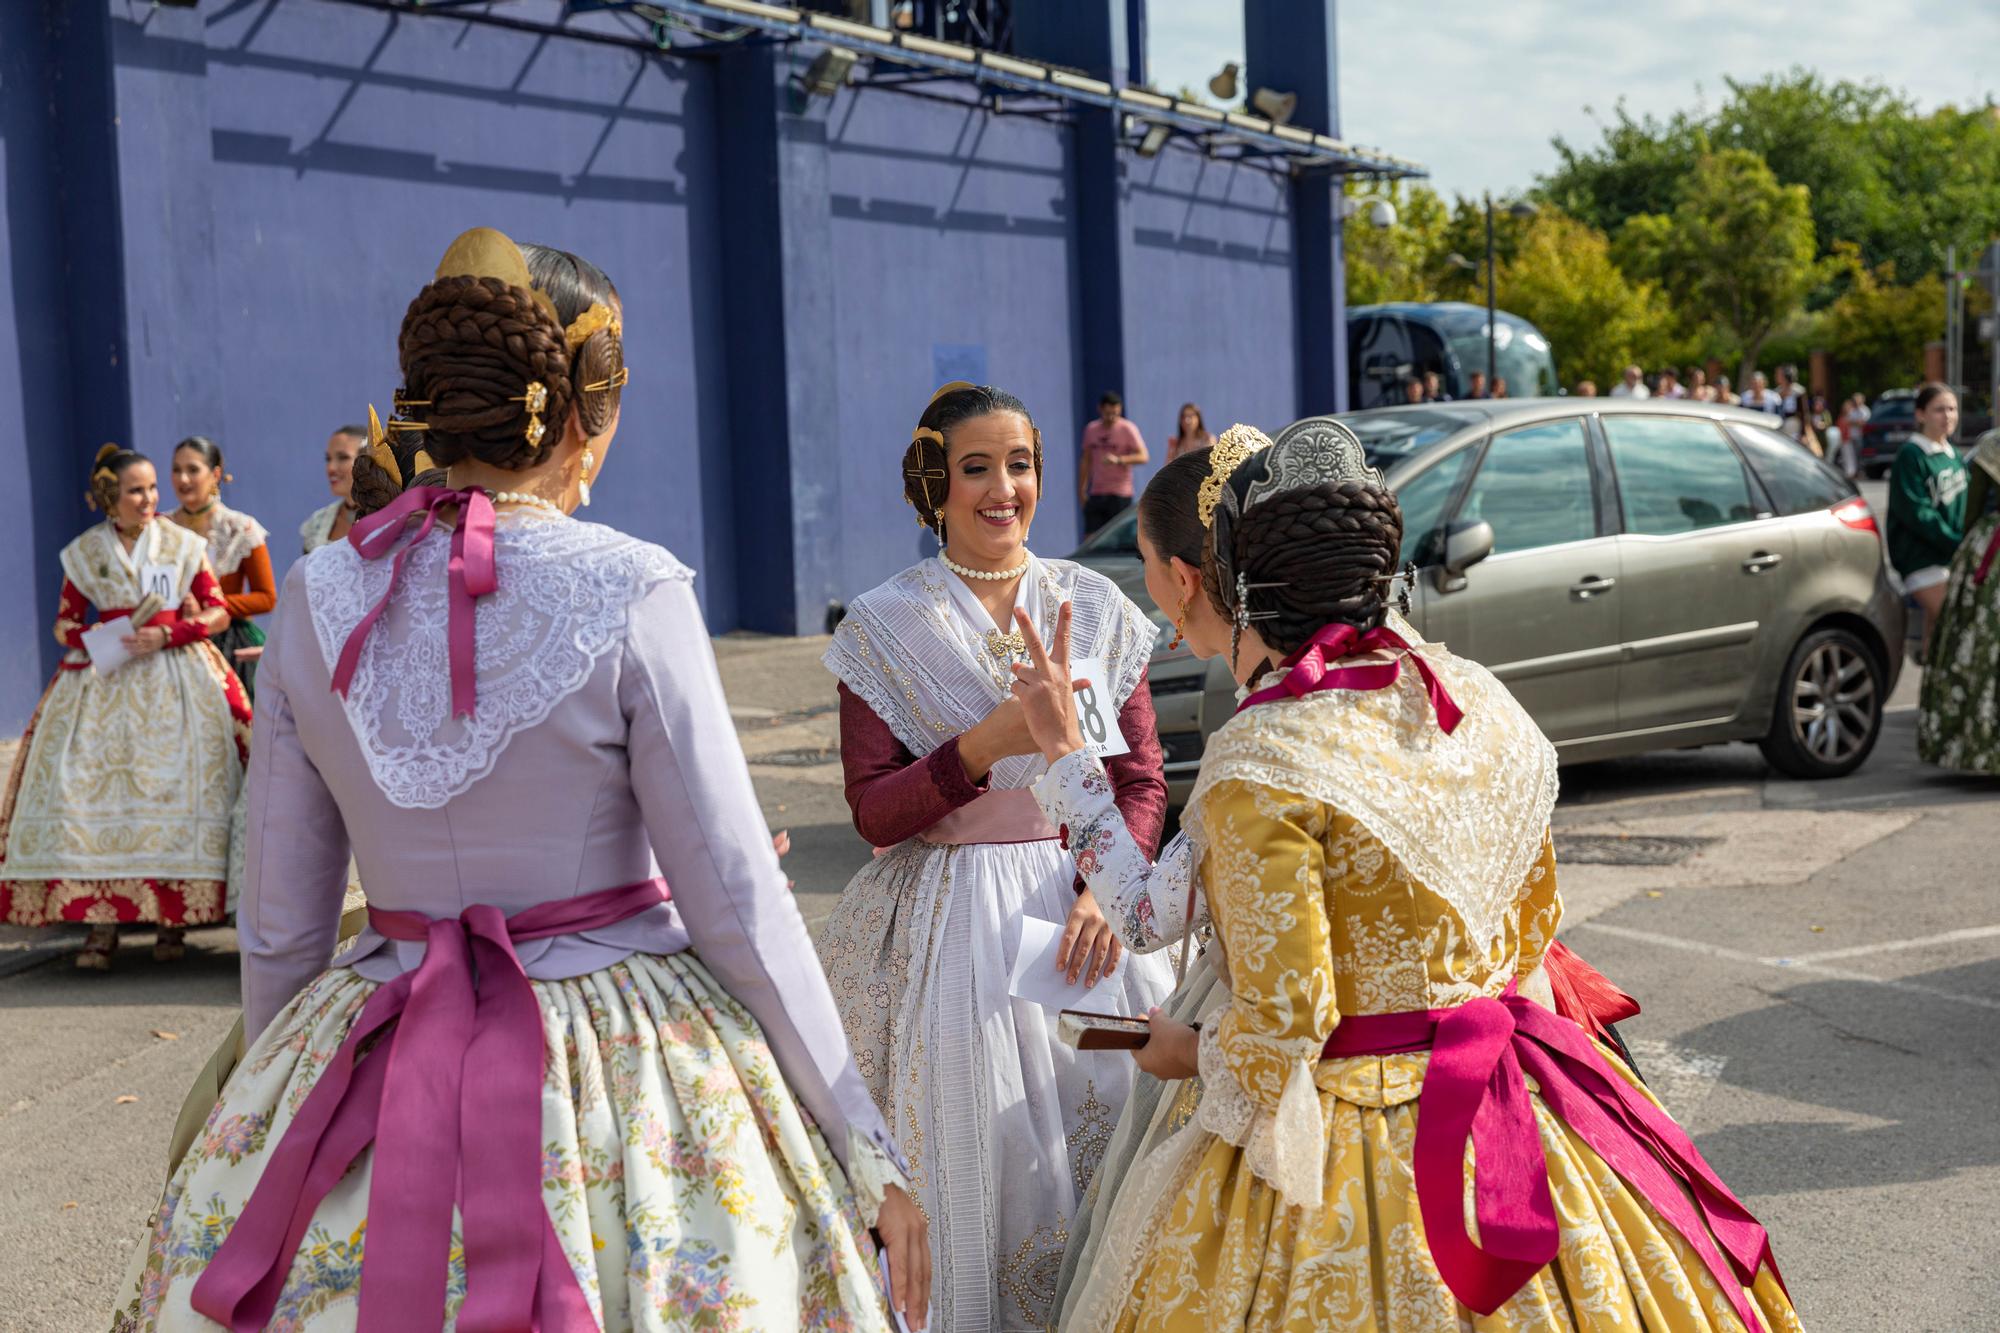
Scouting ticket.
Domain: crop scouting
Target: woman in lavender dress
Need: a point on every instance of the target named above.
(642, 1114)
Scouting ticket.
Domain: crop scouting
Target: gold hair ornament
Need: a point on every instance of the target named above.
(619, 379)
(537, 398)
(1224, 457)
(378, 447)
(927, 474)
(598, 317)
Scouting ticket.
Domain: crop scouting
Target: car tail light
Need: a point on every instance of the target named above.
(1857, 515)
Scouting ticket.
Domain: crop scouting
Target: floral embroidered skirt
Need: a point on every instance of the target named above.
(688, 1189)
(1196, 1242)
(119, 804)
(1958, 726)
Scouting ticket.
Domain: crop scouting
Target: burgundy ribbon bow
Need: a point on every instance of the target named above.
(1310, 669)
(451, 1098)
(1986, 561)
(1475, 1089)
(472, 577)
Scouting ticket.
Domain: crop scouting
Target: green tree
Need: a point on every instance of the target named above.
(1880, 328)
(1739, 250)
(1562, 280)
(1396, 263)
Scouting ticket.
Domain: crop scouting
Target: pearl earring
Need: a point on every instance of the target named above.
(583, 482)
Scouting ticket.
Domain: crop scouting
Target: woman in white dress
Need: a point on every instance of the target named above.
(1003, 1125)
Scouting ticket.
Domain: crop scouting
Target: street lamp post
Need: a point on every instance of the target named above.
(1520, 208)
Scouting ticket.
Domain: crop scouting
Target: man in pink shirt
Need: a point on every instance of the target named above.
(1112, 447)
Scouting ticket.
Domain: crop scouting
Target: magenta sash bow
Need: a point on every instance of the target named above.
(472, 577)
(451, 1098)
(1475, 1090)
(1308, 670)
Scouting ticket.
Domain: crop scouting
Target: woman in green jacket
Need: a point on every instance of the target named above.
(1927, 503)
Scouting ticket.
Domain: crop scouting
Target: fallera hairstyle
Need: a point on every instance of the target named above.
(1167, 511)
(210, 451)
(1330, 551)
(1928, 391)
(926, 476)
(107, 470)
(469, 348)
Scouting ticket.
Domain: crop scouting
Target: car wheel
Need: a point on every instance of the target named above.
(1829, 708)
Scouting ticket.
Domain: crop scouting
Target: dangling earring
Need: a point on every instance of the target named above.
(938, 518)
(583, 482)
(1180, 623)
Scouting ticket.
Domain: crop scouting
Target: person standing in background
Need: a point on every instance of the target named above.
(330, 522)
(1190, 434)
(1760, 395)
(1633, 385)
(1585, 389)
(1723, 393)
(237, 552)
(1476, 386)
(1927, 504)
(1670, 385)
(1112, 447)
(1698, 387)
(1434, 388)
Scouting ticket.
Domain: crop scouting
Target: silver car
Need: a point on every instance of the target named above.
(1643, 575)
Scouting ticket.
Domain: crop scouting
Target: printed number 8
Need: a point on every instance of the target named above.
(1089, 716)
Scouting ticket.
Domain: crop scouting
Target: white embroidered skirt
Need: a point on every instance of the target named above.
(1003, 1125)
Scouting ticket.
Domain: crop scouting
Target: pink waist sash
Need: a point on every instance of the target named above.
(451, 1098)
(1475, 1090)
(1007, 815)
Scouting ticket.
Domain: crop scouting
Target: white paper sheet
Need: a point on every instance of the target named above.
(1036, 980)
(1096, 715)
(103, 641)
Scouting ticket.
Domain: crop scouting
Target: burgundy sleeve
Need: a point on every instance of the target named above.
(893, 794)
(71, 609)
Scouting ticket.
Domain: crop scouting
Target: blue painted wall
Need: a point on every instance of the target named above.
(215, 219)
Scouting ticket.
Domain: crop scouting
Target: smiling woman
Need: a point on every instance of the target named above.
(937, 759)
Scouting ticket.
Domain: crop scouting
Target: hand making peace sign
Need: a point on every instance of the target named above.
(1046, 692)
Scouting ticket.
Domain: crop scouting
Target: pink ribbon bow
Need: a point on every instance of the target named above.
(1309, 670)
(472, 577)
(451, 1098)
(1475, 1089)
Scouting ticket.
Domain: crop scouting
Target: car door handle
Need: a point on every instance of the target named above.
(1762, 561)
(1590, 586)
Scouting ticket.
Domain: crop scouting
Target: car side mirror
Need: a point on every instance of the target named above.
(1466, 543)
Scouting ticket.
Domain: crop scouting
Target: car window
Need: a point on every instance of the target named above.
(1390, 437)
(1676, 474)
(1534, 487)
(1423, 499)
(1798, 482)
(1118, 537)
(1894, 409)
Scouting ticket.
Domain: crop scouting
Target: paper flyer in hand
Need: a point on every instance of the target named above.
(104, 641)
(1036, 979)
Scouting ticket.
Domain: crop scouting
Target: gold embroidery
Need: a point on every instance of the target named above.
(1095, 1123)
(1029, 1274)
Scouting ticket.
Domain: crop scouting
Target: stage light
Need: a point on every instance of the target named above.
(1223, 85)
(828, 72)
(1274, 106)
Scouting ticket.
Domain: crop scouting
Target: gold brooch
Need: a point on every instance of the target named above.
(1007, 647)
(537, 398)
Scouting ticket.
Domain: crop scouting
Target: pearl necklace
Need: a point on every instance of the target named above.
(523, 498)
(989, 575)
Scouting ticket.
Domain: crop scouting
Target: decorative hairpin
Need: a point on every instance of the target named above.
(927, 474)
(599, 316)
(401, 403)
(537, 398)
(1224, 457)
(619, 379)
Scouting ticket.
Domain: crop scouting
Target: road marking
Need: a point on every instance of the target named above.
(1922, 942)
(1786, 965)
(1680, 1077)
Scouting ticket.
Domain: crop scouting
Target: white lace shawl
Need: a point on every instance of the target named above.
(565, 591)
(914, 653)
(231, 537)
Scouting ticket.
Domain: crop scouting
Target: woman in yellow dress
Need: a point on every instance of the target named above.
(1371, 833)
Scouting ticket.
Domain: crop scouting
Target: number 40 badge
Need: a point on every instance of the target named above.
(1095, 710)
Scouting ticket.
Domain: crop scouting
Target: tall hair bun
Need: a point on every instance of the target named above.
(105, 451)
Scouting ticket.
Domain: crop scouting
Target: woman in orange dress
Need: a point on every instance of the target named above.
(237, 552)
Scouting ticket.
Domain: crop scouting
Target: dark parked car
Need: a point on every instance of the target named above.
(1643, 575)
(1891, 420)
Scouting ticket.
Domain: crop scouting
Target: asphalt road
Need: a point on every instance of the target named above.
(1819, 966)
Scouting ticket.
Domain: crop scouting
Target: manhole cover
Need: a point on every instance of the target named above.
(796, 758)
(1611, 849)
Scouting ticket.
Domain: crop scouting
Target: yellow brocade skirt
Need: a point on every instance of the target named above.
(1197, 1242)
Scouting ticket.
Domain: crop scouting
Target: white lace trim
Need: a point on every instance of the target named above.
(231, 537)
(565, 592)
(1465, 813)
(870, 1173)
(1286, 1148)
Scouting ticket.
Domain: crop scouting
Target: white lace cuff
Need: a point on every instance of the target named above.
(870, 1173)
(1286, 1149)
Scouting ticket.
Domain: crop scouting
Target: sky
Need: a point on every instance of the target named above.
(1476, 90)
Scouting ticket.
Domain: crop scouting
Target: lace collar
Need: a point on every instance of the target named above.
(565, 592)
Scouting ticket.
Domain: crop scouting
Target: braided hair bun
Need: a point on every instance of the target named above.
(1316, 528)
